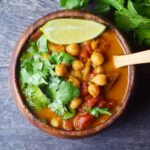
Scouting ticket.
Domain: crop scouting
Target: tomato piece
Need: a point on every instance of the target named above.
(84, 55)
(104, 45)
(107, 103)
(102, 103)
(87, 46)
(36, 36)
(83, 121)
(68, 125)
(81, 109)
(56, 48)
(111, 104)
(91, 102)
(84, 89)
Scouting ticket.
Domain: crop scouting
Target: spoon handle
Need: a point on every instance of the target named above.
(132, 59)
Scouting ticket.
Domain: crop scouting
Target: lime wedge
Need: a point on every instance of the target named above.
(68, 31)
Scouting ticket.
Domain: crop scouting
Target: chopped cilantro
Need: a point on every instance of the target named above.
(98, 111)
(42, 44)
(61, 58)
(39, 82)
(66, 92)
(36, 98)
(61, 110)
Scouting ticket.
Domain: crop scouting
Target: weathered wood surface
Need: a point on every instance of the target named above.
(130, 132)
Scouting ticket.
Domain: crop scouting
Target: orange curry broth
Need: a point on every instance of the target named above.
(117, 92)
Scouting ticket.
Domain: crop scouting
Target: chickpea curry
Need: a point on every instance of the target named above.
(73, 86)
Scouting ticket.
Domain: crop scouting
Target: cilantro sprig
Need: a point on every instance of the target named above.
(95, 111)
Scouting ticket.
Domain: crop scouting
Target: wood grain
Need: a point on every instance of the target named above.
(131, 132)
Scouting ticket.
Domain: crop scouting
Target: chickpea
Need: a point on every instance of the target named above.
(56, 48)
(94, 44)
(77, 65)
(86, 70)
(55, 122)
(97, 58)
(73, 49)
(61, 70)
(75, 81)
(98, 69)
(94, 89)
(77, 74)
(75, 103)
(100, 79)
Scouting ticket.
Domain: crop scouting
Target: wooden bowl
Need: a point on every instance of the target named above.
(14, 79)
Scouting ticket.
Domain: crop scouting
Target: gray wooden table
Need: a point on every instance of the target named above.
(130, 132)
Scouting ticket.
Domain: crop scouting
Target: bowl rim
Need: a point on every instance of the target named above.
(15, 85)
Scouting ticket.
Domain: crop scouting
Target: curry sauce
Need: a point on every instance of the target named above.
(115, 92)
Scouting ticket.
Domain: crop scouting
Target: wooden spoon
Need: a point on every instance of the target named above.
(132, 59)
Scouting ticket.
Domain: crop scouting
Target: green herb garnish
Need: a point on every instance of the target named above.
(61, 58)
(36, 98)
(42, 44)
(78, 4)
(98, 111)
(39, 82)
(62, 92)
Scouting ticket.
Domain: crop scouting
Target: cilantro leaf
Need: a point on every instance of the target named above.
(143, 7)
(61, 110)
(101, 7)
(58, 108)
(51, 89)
(26, 61)
(70, 4)
(48, 68)
(66, 58)
(66, 92)
(69, 114)
(117, 4)
(36, 98)
(34, 79)
(98, 111)
(143, 34)
(34, 70)
(42, 44)
(61, 58)
(38, 46)
(32, 48)
(55, 58)
(128, 19)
